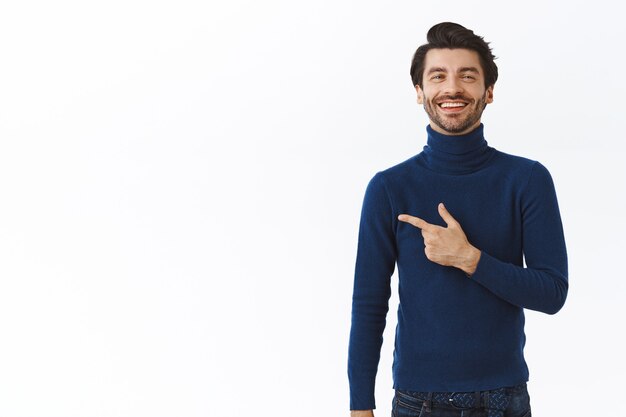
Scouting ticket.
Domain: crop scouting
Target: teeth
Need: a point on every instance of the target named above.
(452, 104)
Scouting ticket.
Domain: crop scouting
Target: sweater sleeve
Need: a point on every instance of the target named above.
(375, 264)
(543, 284)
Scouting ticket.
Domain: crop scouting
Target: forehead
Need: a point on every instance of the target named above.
(451, 59)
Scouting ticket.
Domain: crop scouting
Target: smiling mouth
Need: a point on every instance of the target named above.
(452, 105)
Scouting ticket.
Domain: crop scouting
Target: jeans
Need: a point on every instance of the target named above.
(407, 404)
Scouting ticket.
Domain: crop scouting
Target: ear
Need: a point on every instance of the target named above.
(420, 94)
(489, 94)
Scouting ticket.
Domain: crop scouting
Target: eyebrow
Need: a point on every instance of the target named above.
(462, 69)
(469, 69)
(436, 69)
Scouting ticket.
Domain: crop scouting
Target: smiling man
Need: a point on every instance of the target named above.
(459, 219)
(453, 91)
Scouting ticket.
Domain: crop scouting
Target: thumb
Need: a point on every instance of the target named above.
(446, 216)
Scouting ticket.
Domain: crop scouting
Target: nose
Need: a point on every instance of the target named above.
(453, 86)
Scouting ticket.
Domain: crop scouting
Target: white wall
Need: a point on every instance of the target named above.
(181, 183)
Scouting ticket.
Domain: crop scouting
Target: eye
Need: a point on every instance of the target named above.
(468, 77)
(436, 77)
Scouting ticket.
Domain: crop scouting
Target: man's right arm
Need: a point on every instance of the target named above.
(375, 264)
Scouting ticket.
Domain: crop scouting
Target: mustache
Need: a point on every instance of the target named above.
(456, 97)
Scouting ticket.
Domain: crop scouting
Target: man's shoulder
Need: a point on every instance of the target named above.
(524, 170)
(400, 169)
(515, 163)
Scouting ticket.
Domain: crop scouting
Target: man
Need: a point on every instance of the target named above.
(458, 218)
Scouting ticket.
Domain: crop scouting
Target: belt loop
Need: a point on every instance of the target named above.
(487, 405)
(428, 402)
(477, 395)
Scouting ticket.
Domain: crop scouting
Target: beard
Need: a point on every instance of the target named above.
(456, 123)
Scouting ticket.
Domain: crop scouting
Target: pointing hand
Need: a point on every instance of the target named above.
(446, 246)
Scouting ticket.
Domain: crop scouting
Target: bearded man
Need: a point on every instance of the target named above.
(459, 219)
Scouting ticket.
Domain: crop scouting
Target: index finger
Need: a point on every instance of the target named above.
(415, 221)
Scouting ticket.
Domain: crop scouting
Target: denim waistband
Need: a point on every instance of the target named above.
(495, 401)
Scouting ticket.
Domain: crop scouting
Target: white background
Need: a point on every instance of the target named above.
(181, 184)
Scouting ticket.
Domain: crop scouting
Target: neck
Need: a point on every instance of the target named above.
(456, 154)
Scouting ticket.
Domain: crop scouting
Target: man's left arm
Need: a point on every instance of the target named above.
(543, 284)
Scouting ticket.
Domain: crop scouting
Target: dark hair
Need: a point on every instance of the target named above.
(454, 36)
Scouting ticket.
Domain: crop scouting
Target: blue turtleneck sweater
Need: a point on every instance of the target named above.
(455, 333)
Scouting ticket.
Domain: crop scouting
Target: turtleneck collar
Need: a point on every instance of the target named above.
(460, 154)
